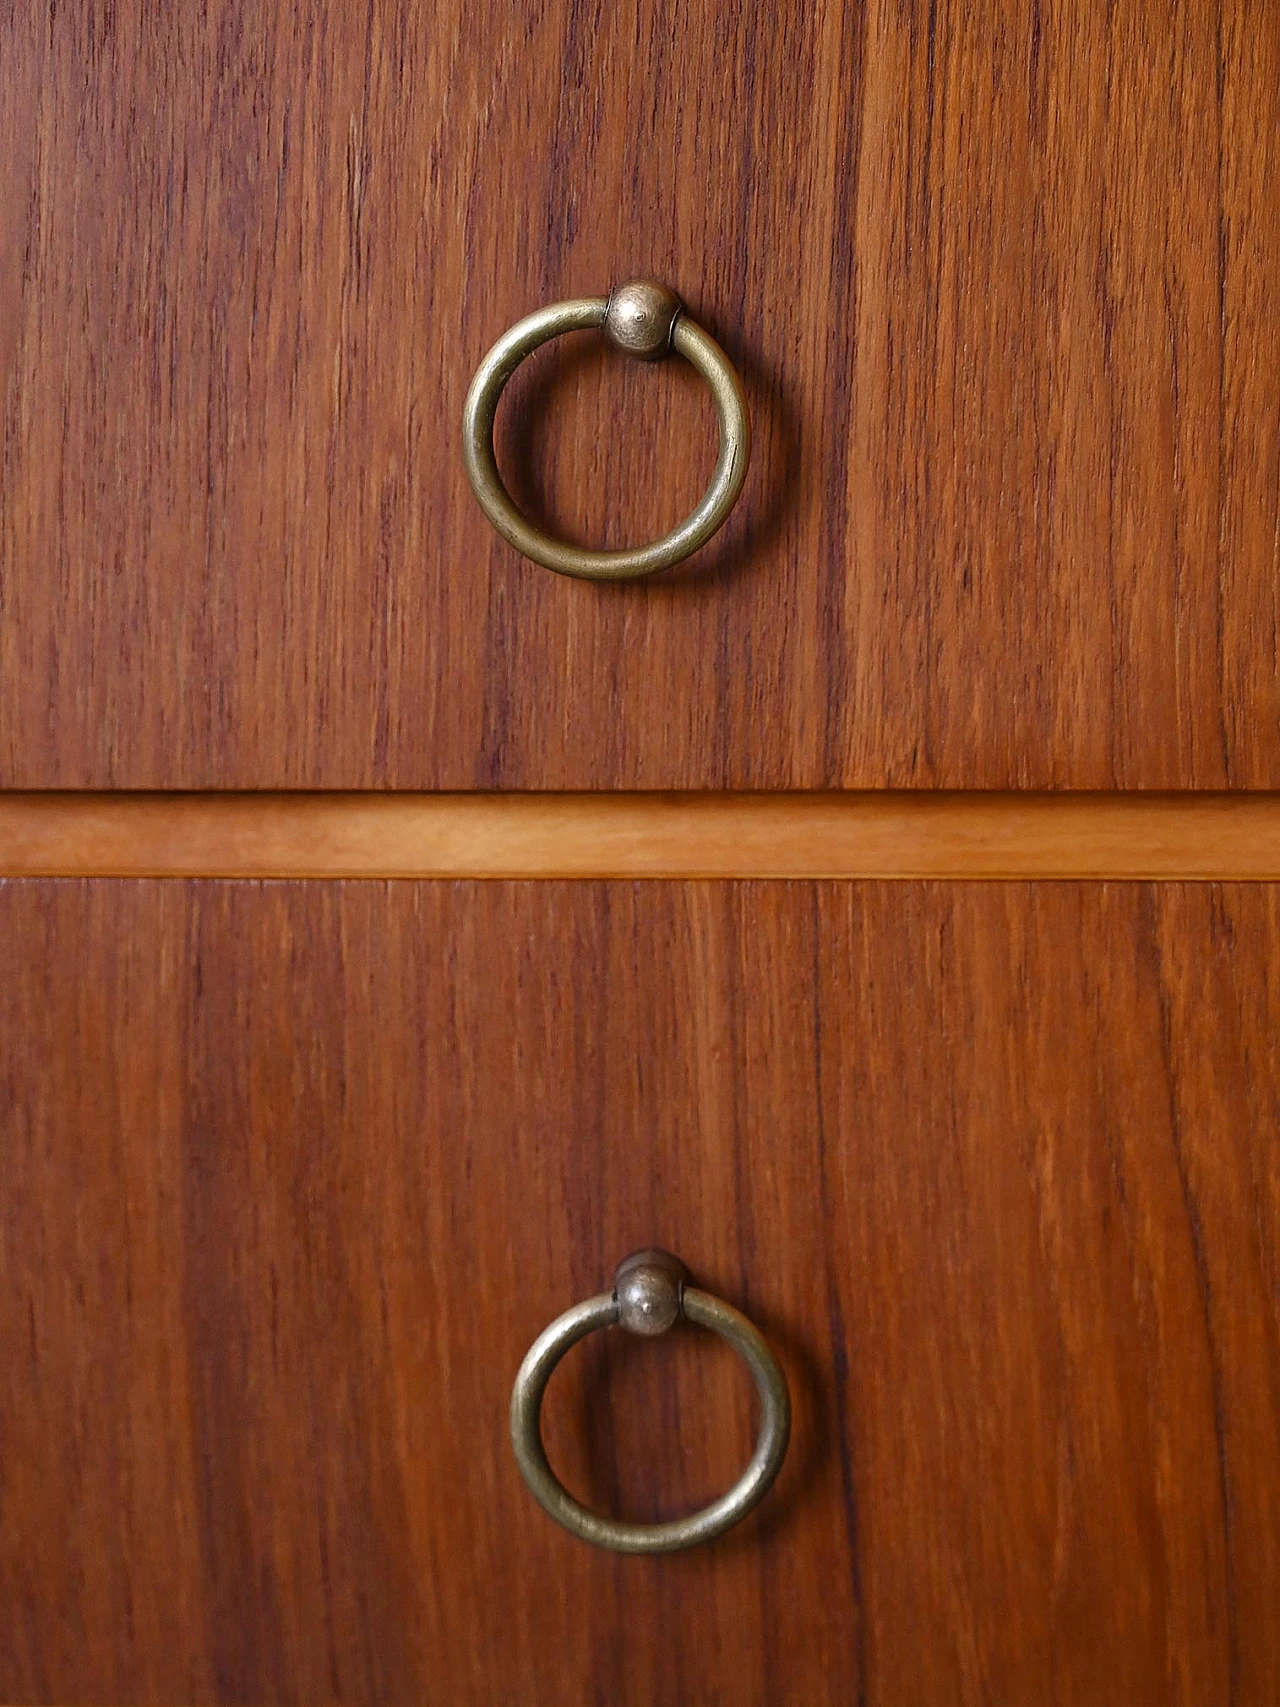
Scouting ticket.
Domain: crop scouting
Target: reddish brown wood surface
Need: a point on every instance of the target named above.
(1000, 278)
(295, 1175)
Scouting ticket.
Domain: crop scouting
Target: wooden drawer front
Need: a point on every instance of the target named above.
(294, 1173)
(1000, 279)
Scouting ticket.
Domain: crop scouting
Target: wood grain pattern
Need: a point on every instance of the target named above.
(295, 1176)
(1000, 279)
(903, 836)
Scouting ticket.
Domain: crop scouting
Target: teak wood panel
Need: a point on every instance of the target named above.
(1000, 278)
(293, 1179)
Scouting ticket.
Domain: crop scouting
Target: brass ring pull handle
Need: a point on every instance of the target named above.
(645, 320)
(651, 1291)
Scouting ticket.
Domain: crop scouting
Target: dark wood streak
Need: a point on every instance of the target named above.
(837, 1332)
(1205, 1284)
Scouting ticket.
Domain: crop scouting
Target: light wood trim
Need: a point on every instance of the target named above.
(641, 835)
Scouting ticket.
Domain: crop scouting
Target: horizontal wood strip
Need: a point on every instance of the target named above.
(881, 835)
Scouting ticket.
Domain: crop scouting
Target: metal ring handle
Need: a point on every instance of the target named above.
(651, 1291)
(646, 320)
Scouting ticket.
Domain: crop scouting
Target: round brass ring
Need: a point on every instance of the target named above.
(712, 1520)
(580, 314)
